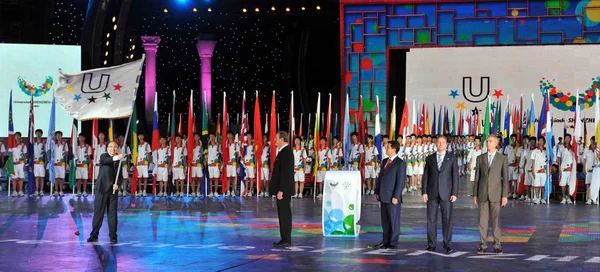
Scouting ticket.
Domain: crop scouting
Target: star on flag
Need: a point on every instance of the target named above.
(107, 96)
(475, 111)
(77, 97)
(70, 88)
(117, 87)
(92, 99)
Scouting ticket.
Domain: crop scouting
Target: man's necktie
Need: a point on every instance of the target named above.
(387, 164)
(490, 159)
(440, 160)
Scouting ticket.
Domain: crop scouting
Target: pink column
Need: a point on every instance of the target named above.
(205, 49)
(150, 47)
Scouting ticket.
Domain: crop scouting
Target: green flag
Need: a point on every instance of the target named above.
(204, 118)
(486, 121)
(453, 122)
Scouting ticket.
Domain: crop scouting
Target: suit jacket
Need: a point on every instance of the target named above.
(107, 174)
(391, 180)
(282, 178)
(491, 182)
(441, 182)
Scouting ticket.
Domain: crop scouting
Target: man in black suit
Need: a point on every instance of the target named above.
(282, 185)
(388, 191)
(106, 198)
(440, 188)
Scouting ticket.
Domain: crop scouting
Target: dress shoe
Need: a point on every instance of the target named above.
(481, 250)
(448, 250)
(92, 240)
(380, 245)
(389, 247)
(430, 248)
(114, 241)
(281, 244)
(497, 250)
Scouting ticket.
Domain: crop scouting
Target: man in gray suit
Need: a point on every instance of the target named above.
(490, 191)
(440, 188)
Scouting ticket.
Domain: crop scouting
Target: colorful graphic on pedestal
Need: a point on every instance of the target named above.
(341, 204)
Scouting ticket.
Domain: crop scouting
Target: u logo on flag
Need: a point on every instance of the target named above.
(101, 86)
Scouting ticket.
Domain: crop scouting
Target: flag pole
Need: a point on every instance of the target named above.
(9, 183)
(126, 133)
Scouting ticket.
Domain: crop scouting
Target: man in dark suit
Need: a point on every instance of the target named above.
(388, 191)
(440, 188)
(282, 185)
(106, 197)
(491, 191)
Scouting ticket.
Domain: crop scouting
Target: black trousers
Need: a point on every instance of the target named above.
(105, 202)
(284, 211)
(390, 222)
(432, 216)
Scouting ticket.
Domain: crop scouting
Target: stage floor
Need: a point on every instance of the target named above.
(237, 235)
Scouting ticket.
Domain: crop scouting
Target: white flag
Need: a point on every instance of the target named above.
(102, 93)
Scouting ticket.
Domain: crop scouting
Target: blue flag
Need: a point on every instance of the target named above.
(550, 148)
(347, 139)
(433, 126)
(30, 153)
(51, 143)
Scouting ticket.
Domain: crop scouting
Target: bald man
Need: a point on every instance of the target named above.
(106, 197)
(490, 191)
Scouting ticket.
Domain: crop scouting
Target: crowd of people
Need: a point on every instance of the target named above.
(528, 160)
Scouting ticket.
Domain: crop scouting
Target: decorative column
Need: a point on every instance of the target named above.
(205, 49)
(150, 47)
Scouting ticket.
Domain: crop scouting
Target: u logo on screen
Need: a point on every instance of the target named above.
(99, 87)
(476, 96)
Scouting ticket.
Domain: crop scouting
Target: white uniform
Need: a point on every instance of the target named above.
(511, 155)
(143, 160)
(2, 149)
(125, 161)
(265, 161)
(99, 150)
(310, 149)
(161, 160)
(233, 149)
(19, 153)
(197, 163)
(60, 159)
(410, 161)
(178, 162)
(355, 153)
(336, 158)
(419, 159)
(39, 155)
(540, 166)
(250, 162)
(590, 161)
(82, 155)
(525, 163)
(324, 164)
(371, 154)
(472, 159)
(214, 161)
(299, 163)
(566, 164)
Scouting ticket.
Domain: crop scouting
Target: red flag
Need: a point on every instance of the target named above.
(180, 128)
(361, 123)
(224, 145)
(258, 143)
(404, 121)
(422, 121)
(273, 133)
(155, 140)
(300, 130)
(190, 137)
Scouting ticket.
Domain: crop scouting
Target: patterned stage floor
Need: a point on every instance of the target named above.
(236, 235)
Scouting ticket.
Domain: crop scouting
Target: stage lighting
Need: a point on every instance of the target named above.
(165, 10)
(303, 8)
(107, 43)
(318, 7)
(133, 47)
(244, 10)
(105, 61)
(181, 1)
(209, 10)
(107, 35)
(195, 10)
(131, 56)
(115, 27)
(256, 9)
(273, 8)
(114, 19)
(287, 9)
(106, 54)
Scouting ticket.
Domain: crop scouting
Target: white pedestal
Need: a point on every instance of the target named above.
(341, 204)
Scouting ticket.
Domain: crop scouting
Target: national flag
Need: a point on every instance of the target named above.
(224, 145)
(433, 126)
(440, 126)
(191, 143)
(347, 138)
(273, 133)
(542, 121)
(519, 119)
(155, 140)
(317, 137)
(427, 124)
(258, 142)
(100, 93)
(300, 129)
(328, 131)
(51, 142)
(454, 123)
(413, 125)
(447, 122)
(404, 121)
(204, 116)
(72, 163)
(550, 147)
(135, 152)
(180, 127)
(30, 152)
(10, 165)
(111, 130)
(393, 121)
(498, 118)
(360, 119)
(486, 121)
(574, 145)
(378, 130)
(244, 144)
(336, 130)
(422, 121)
(531, 122)
(506, 125)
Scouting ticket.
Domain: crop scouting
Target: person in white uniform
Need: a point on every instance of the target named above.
(371, 164)
(589, 162)
(539, 167)
(215, 164)
(234, 152)
(250, 164)
(197, 166)
(39, 160)
(61, 149)
(83, 152)
(337, 154)
(300, 157)
(125, 150)
(19, 158)
(265, 159)
(161, 157)
(144, 159)
(324, 164)
(99, 149)
(524, 158)
(513, 161)
(179, 163)
(472, 158)
(566, 160)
